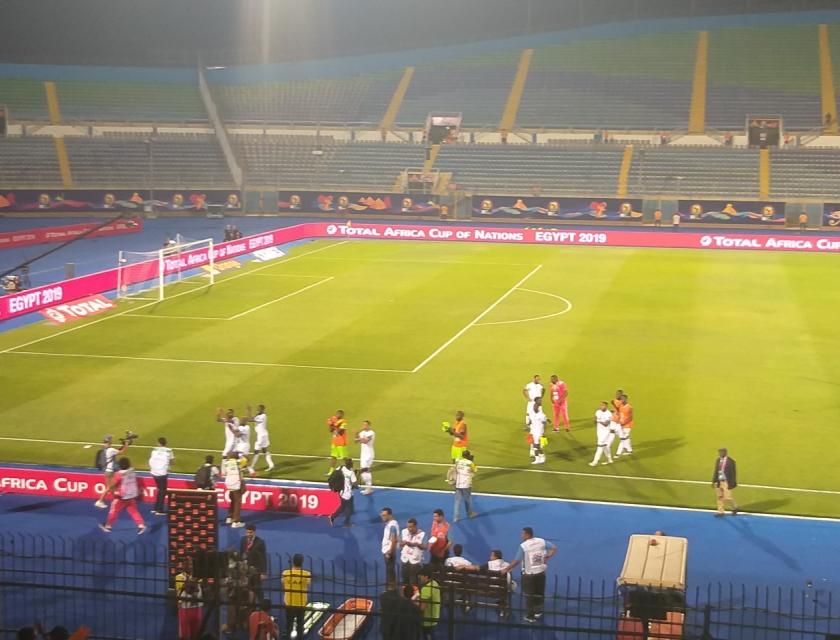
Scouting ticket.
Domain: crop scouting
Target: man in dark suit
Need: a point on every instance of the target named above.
(724, 481)
(253, 550)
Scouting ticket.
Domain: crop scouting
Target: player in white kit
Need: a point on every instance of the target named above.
(536, 436)
(532, 391)
(243, 439)
(231, 423)
(365, 437)
(603, 418)
(261, 441)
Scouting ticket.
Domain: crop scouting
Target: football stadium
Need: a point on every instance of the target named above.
(419, 320)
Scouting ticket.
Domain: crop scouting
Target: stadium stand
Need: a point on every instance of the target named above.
(695, 171)
(28, 162)
(176, 161)
(805, 173)
(360, 99)
(516, 168)
(278, 160)
(768, 71)
(628, 83)
(475, 87)
(24, 98)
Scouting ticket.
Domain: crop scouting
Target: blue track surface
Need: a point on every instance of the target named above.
(749, 551)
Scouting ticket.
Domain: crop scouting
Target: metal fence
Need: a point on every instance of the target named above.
(121, 591)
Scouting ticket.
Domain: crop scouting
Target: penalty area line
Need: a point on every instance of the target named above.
(475, 320)
(418, 463)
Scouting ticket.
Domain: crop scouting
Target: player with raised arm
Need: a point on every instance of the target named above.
(536, 436)
(262, 441)
(559, 397)
(532, 391)
(365, 437)
(458, 431)
(603, 418)
(338, 440)
(231, 422)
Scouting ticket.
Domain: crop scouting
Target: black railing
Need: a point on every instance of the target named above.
(121, 591)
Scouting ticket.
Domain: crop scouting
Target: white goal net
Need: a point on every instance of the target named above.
(144, 275)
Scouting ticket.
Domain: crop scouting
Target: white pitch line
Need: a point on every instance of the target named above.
(147, 315)
(277, 365)
(481, 467)
(475, 320)
(545, 317)
(143, 306)
(285, 297)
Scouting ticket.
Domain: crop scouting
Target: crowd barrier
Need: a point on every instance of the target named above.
(38, 298)
(63, 233)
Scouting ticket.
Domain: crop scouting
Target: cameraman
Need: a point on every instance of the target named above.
(106, 461)
(159, 463)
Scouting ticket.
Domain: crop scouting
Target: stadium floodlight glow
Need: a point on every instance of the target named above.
(144, 275)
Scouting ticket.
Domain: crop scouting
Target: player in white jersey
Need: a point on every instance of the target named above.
(536, 436)
(231, 423)
(261, 441)
(365, 437)
(603, 418)
(532, 391)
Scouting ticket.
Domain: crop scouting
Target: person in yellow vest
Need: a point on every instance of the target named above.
(803, 221)
(657, 218)
(458, 431)
(338, 440)
(296, 583)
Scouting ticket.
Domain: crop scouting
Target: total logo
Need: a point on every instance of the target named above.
(78, 309)
(331, 229)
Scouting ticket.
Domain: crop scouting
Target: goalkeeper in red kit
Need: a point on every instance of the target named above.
(559, 396)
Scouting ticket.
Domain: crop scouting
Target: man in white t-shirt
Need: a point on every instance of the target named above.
(390, 542)
(109, 463)
(231, 423)
(532, 391)
(457, 560)
(366, 437)
(411, 556)
(346, 494)
(261, 441)
(533, 555)
(603, 418)
(536, 437)
(464, 471)
(159, 462)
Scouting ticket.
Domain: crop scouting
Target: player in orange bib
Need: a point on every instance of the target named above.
(458, 431)
(559, 397)
(626, 421)
(615, 420)
(338, 441)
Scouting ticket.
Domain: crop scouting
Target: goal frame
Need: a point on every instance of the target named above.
(160, 278)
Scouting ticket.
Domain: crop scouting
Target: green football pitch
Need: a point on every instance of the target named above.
(735, 349)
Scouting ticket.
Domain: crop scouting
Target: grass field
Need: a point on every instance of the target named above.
(714, 348)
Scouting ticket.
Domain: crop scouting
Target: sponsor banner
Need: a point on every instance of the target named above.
(67, 232)
(78, 309)
(831, 215)
(558, 209)
(606, 238)
(270, 253)
(348, 203)
(18, 304)
(24, 200)
(732, 212)
(315, 501)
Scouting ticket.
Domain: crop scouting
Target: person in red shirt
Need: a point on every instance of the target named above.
(559, 396)
(439, 538)
(126, 488)
(261, 625)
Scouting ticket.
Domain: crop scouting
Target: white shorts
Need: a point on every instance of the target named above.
(229, 447)
(615, 428)
(624, 432)
(365, 462)
(262, 442)
(244, 449)
(603, 434)
(537, 432)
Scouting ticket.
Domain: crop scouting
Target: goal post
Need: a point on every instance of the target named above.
(145, 275)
